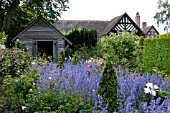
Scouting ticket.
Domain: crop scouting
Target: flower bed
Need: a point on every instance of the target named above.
(131, 95)
(77, 77)
(74, 88)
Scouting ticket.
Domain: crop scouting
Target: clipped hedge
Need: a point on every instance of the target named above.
(157, 54)
(80, 37)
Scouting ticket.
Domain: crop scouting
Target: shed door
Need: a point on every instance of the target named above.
(45, 47)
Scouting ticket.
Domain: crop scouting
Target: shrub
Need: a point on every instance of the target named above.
(108, 86)
(19, 87)
(20, 45)
(76, 58)
(156, 54)
(16, 91)
(86, 53)
(59, 102)
(80, 37)
(122, 49)
(3, 39)
(61, 60)
(13, 62)
(141, 41)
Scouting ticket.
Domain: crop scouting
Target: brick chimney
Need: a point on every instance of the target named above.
(144, 24)
(137, 19)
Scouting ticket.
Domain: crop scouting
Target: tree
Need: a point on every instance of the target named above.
(24, 15)
(108, 86)
(50, 8)
(163, 14)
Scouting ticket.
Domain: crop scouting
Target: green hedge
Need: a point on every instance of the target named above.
(82, 37)
(157, 54)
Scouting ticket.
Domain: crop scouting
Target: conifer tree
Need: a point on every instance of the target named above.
(108, 86)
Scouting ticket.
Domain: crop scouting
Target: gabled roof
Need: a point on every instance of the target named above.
(111, 24)
(147, 29)
(117, 20)
(46, 22)
(68, 25)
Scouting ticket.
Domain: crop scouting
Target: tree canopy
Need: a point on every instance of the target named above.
(163, 14)
(24, 15)
(49, 8)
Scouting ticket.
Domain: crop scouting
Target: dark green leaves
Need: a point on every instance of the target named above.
(50, 8)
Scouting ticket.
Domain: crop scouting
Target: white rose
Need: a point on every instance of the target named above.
(146, 90)
(149, 85)
(153, 93)
(155, 87)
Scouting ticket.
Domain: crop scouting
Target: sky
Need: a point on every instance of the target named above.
(108, 9)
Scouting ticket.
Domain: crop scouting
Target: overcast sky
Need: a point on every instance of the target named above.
(108, 9)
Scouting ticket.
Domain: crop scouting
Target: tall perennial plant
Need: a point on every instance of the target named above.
(141, 93)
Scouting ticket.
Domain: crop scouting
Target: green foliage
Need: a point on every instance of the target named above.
(82, 37)
(141, 41)
(163, 15)
(164, 94)
(156, 54)
(18, 77)
(20, 45)
(3, 38)
(61, 60)
(43, 59)
(86, 53)
(13, 62)
(139, 51)
(49, 8)
(122, 49)
(76, 58)
(149, 56)
(17, 80)
(22, 18)
(61, 102)
(108, 86)
(16, 91)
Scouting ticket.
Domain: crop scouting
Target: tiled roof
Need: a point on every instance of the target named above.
(102, 27)
(68, 25)
(147, 29)
(110, 25)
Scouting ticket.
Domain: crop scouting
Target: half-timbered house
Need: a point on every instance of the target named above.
(150, 31)
(115, 25)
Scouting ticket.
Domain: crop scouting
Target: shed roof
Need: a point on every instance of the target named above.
(46, 22)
